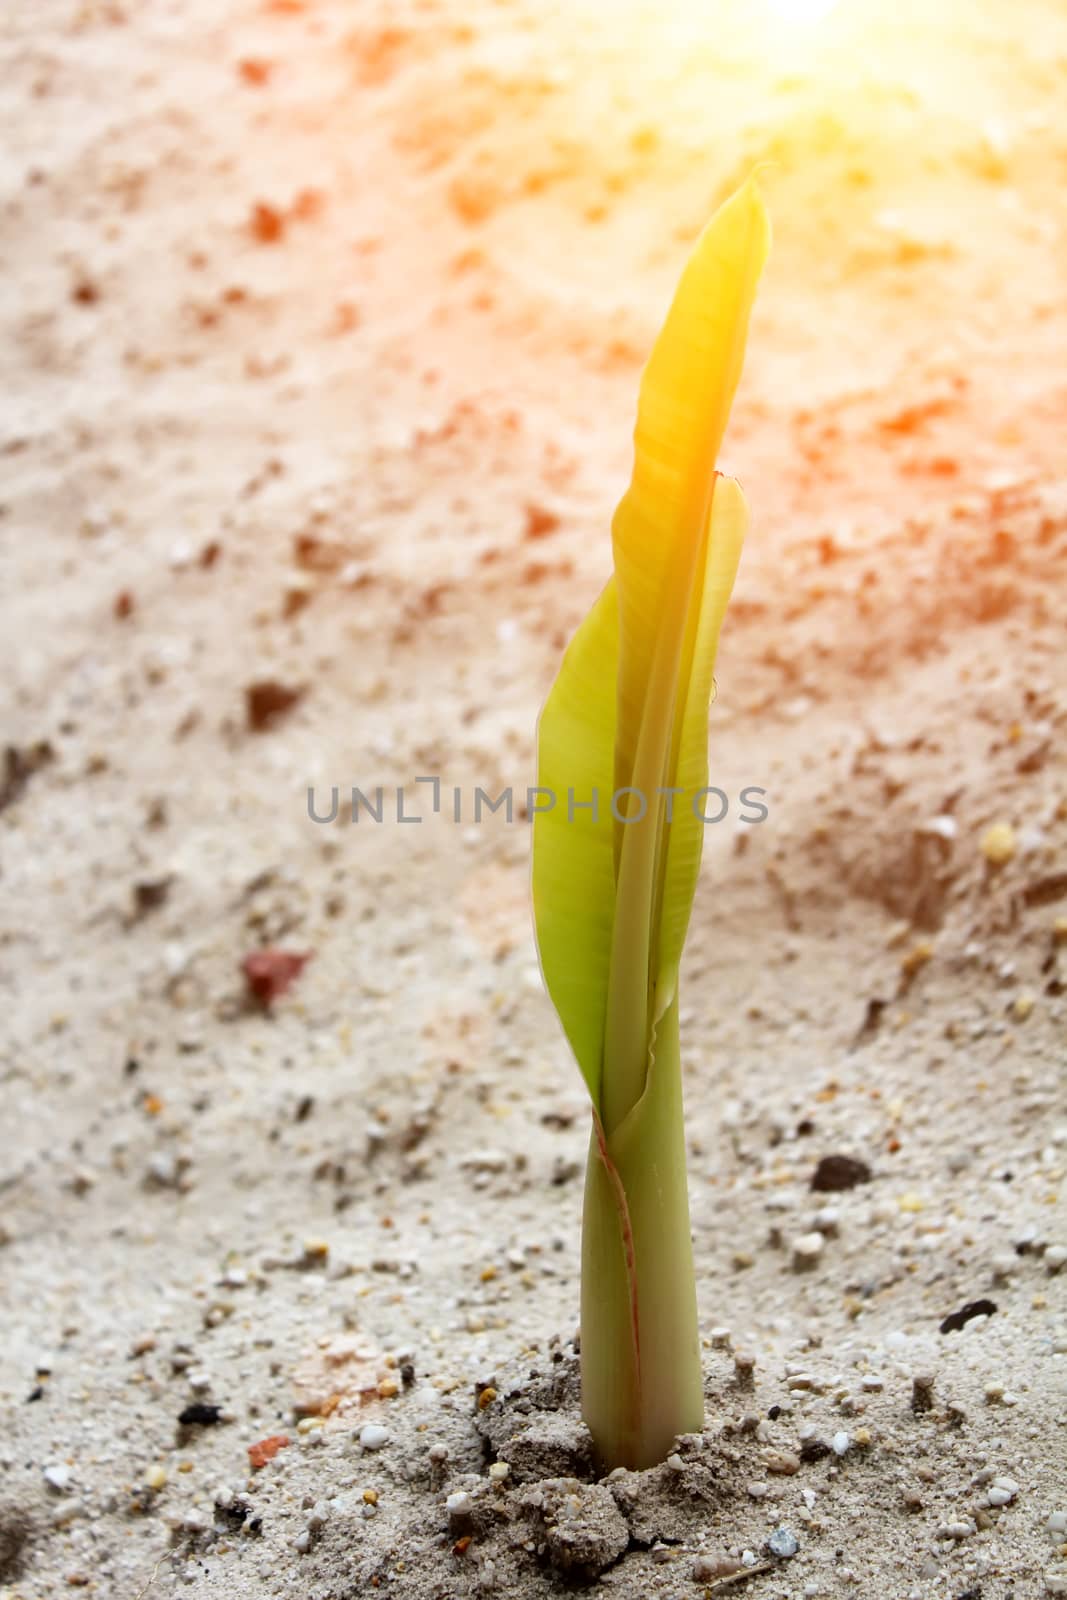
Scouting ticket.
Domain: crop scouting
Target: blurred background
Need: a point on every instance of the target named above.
(321, 325)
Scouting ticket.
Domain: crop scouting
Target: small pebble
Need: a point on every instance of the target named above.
(1002, 1492)
(922, 1392)
(744, 1367)
(57, 1477)
(957, 1530)
(67, 1512)
(156, 1477)
(1055, 1258)
(783, 1544)
(807, 1251)
(459, 1504)
(839, 1444)
(501, 1470)
(707, 1567)
(675, 1463)
(1003, 1267)
(163, 1170)
(998, 844)
(720, 1340)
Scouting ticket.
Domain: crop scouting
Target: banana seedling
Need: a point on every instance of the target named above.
(623, 734)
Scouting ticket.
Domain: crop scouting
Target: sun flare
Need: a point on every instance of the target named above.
(801, 13)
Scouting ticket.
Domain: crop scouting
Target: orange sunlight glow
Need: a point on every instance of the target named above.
(801, 12)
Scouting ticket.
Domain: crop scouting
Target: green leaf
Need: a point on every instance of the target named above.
(573, 872)
(660, 536)
(629, 707)
(684, 404)
(685, 835)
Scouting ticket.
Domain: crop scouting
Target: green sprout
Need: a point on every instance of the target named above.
(622, 751)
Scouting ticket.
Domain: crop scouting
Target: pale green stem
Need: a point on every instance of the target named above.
(641, 1373)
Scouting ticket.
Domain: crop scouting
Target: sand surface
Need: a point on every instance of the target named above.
(320, 326)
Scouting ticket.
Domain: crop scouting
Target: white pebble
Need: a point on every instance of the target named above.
(459, 1504)
(1057, 1522)
(676, 1463)
(57, 1476)
(373, 1436)
(162, 1169)
(839, 1443)
(807, 1250)
(67, 1512)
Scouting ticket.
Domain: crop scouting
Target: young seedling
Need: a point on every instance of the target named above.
(622, 746)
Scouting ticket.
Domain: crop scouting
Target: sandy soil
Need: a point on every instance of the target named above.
(321, 330)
